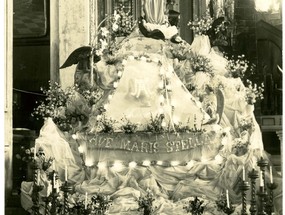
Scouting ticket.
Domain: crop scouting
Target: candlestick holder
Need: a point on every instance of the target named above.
(269, 204)
(222, 205)
(262, 163)
(53, 177)
(46, 200)
(36, 188)
(253, 175)
(229, 210)
(262, 201)
(244, 186)
(66, 188)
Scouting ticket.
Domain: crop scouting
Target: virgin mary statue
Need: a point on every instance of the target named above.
(145, 84)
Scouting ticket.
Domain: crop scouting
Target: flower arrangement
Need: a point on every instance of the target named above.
(195, 207)
(203, 25)
(119, 24)
(128, 127)
(246, 124)
(237, 67)
(68, 108)
(104, 124)
(146, 203)
(156, 124)
(253, 92)
(122, 23)
(201, 63)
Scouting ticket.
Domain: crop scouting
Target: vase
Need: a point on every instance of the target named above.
(201, 45)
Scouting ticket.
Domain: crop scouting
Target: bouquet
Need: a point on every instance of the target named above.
(237, 67)
(203, 25)
(122, 23)
(68, 108)
(201, 63)
(253, 92)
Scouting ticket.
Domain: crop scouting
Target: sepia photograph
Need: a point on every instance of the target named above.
(143, 107)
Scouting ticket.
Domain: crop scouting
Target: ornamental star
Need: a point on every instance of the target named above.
(129, 47)
(147, 47)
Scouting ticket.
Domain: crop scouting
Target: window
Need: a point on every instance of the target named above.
(29, 18)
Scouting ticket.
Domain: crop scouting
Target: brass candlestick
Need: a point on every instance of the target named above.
(36, 188)
(262, 201)
(269, 204)
(66, 188)
(244, 187)
(253, 175)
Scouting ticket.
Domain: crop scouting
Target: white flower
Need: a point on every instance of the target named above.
(105, 31)
(115, 27)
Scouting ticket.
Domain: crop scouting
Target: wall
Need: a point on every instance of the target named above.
(68, 32)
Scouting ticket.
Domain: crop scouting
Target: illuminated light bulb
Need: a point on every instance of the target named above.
(115, 84)
(161, 85)
(174, 163)
(118, 166)
(146, 163)
(119, 74)
(132, 164)
(98, 117)
(88, 162)
(80, 149)
(102, 165)
(123, 63)
(159, 163)
(74, 136)
(219, 158)
(175, 120)
(110, 97)
(161, 99)
(190, 163)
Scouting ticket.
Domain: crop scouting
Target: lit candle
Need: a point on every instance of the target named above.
(35, 152)
(38, 177)
(261, 182)
(228, 199)
(85, 200)
(54, 181)
(65, 173)
(243, 173)
(271, 176)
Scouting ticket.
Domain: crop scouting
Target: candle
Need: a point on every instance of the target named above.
(243, 173)
(271, 177)
(54, 180)
(53, 165)
(38, 177)
(65, 173)
(228, 199)
(85, 200)
(35, 152)
(261, 182)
